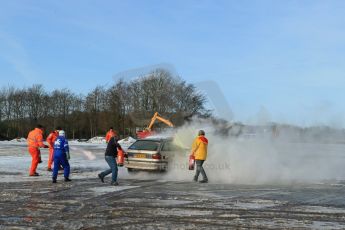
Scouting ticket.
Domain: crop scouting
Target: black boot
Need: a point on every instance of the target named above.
(101, 177)
(54, 180)
(67, 179)
(204, 181)
(114, 183)
(35, 174)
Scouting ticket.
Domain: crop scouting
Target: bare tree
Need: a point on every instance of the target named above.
(95, 103)
(166, 94)
(2, 103)
(118, 101)
(76, 113)
(19, 111)
(125, 105)
(36, 103)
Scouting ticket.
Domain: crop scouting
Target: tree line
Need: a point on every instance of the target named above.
(126, 106)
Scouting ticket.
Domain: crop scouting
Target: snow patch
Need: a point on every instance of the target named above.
(97, 140)
(20, 139)
(126, 142)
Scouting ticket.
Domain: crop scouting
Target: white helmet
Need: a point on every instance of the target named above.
(61, 133)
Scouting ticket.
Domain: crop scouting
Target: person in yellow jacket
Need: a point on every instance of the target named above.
(199, 151)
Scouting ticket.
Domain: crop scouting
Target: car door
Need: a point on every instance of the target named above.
(171, 152)
(166, 151)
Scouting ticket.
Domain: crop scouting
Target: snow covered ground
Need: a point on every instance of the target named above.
(86, 160)
(170, 200)
(250, 162)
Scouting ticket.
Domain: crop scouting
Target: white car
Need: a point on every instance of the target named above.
(151, 154)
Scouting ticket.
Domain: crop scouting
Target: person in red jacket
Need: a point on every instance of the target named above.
(35, 142)
(51, 139)
(111, 133)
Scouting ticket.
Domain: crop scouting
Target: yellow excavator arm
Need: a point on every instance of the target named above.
(157, 117)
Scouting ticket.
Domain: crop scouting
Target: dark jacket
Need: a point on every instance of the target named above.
(112, 147)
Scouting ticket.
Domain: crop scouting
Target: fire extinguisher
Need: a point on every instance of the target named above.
(191, 162)
(120, 157)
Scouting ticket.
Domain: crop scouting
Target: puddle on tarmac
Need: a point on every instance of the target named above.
(320, 209)
(157, 202)
(257, 204)
(104, 190)
(184, 212)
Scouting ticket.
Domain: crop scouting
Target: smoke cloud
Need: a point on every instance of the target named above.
(261, 157)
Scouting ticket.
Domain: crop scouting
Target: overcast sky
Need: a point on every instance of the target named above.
(272, 60)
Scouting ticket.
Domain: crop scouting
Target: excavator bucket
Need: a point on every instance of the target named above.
(144, 134)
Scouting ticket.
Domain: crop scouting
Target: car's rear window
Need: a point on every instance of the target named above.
(145, 145)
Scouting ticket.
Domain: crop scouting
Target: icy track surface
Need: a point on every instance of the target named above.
(156, 201)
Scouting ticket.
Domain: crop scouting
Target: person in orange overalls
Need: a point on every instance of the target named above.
(51, 140)
(111, 133)
(35, 142)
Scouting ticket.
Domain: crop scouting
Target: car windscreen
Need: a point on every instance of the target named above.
(145, 145)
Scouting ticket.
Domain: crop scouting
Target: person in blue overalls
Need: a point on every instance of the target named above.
(61, 156)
